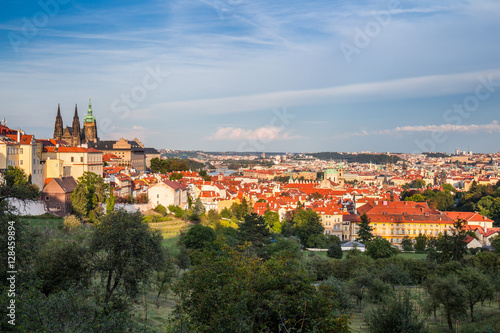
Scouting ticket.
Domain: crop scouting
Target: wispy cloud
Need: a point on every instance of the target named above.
(411, 87)
(266, 133)
(443, 128)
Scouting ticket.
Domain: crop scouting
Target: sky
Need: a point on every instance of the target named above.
(241, 75)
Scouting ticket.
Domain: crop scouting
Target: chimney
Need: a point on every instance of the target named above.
(19, 135)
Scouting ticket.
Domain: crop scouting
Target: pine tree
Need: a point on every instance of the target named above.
(365, 230)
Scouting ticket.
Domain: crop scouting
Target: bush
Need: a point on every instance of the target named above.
(397, 315)
(71, 222)
(335, 251)
(160, 209)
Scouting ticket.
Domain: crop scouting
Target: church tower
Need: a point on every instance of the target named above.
(90, 126)
(58, 128)
(76, 132)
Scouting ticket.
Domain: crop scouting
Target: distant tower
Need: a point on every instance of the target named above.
(75, 131)
(90, 126)
(58, 128)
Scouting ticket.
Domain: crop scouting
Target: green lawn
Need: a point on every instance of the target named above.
(406, 255)
(47, 226)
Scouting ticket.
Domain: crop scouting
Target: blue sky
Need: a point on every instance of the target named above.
(294, 76)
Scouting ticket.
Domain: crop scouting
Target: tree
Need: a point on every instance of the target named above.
(358, 285)
(126, 252)
(453, 247)
(380, 248)
(88, 193)
(478, 287)
(335, 251)
(15, 185)
(407, 244)
(253, 229)
(61, 265)
(213, 216)
(272, 220)
(197, 237)
(420, 242)
(226, 213)
(365, 233)
(229, 292)
(198, 209)
(395, 316)
(306, 224)
(110, 203)
(448, 292)
(495, 242)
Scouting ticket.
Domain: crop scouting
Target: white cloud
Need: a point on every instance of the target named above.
(266, 133)
(466, 129)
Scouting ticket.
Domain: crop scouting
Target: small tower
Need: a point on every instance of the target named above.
(58, 128)
(75, 131)
(90, 126)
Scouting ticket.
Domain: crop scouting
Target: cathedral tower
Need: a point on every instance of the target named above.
(76, 132)
(58, 128)
(90, 126)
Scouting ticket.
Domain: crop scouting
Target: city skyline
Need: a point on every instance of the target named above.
(301, 76)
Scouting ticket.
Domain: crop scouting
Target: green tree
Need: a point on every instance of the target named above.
(358, 287)
(380, 248)
(155, 165)
(197, 237)
(126, 251)
(226, 213)
(61, 265)
(453, 247)
(175, 176)
(198, 209)
(253, 229)
(229, 292)
(365, 231)
(420, 242)
(15, 185)
(395, 316)
(478, 287)
(335, 251)
(88, 194)
(448, 292)
(407, 244)
(272, 220)
(495, 242)
(306, 224)
(213, 216)
(110, 203)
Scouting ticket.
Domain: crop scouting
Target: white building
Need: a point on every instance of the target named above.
(168, 193)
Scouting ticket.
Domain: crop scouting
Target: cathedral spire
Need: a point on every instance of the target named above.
(89, 118)
(76, 132)
(58, 127)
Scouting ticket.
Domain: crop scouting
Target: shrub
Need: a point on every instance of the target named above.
(71, 222)
(160, 209)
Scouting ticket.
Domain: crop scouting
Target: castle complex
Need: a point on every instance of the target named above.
(74, 135)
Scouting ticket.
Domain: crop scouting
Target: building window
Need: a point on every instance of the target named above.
(21, 162)
(47, 198)
(72, 159)
(21, 150)
(81, 159)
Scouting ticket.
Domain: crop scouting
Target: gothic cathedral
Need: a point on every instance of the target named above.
(75, 136)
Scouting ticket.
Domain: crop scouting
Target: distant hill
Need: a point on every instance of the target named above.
(360, 158)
